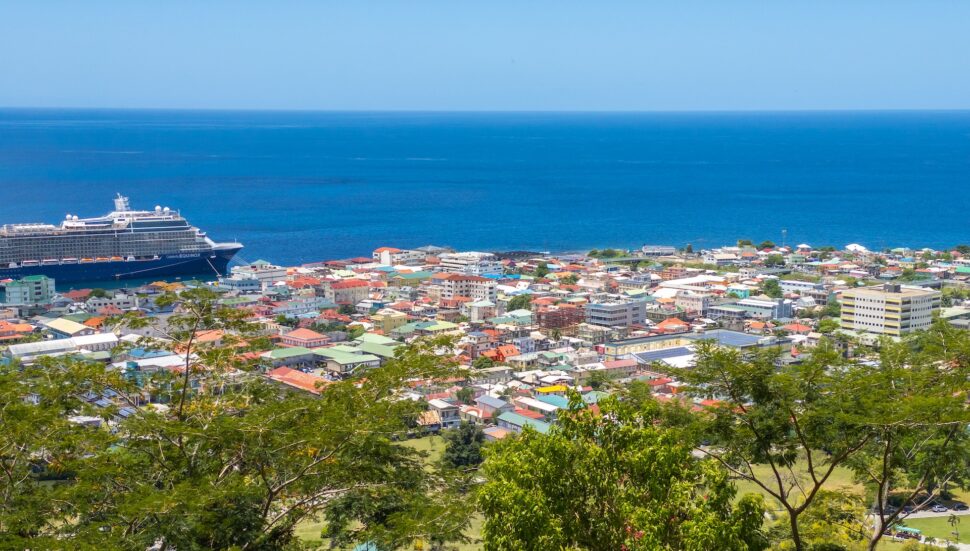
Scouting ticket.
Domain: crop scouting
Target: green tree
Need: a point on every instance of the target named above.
(772, 288)
(520, 302)
(598, 379)
(569, 279)
(773, 260)
(827, 326)
(466, 395)
(689, 249)
(483, 362)
(347, 309)
(542, 270)
(766, 245)
(464, 445)
(98, 293)
(226, 460)
(610, 481)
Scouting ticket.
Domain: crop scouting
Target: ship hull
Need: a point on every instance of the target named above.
(208, 263)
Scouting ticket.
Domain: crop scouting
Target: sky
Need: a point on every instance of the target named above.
(600, 55)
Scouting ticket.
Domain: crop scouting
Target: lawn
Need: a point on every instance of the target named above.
(939, 527)
(841, 479)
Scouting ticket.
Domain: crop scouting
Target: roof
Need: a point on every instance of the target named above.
(491, 401)
(298, 379)
(522, 421)
(288, 352)
(305, 334)
(66, 326)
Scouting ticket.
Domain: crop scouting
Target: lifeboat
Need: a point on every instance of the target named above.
(84, 260)
(30, 263)
(102, 259)
(49, 262)
(116, 259)
(68, 261)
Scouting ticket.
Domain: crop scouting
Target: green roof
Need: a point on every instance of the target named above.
(374, 338)
(344, 357)
(377, 349)
(523, 421)
(288, 352)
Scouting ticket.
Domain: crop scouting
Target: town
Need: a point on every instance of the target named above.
(529, 330)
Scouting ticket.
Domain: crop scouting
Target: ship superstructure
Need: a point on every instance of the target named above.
(123, 244)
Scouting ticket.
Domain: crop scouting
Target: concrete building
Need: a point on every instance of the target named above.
(766, 308)
(30, 290)
(616, 314)
(394, 257)
(471, 263)
(120, 301)
(457, 285)
(891, 309)
(348, 291)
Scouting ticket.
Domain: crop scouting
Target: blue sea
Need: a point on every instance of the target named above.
(304, 186)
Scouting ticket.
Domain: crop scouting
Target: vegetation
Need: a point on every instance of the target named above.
(221, 461)
(606, 253)
(611, 481)
(464, 446)
(520, 302)
(772, 288)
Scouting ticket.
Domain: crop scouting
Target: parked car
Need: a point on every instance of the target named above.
(959, 506)
(939, 508)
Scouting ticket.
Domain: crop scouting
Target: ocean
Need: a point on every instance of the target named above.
(299, 187)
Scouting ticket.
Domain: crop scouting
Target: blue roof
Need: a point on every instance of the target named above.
(560, 402)
(734, 339)
(663, 354)
(491, 401)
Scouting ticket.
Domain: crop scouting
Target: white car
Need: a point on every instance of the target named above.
(939, 508)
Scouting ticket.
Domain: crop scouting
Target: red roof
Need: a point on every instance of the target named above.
(298, 379)
(387, 250)
(305, 334)
(349, 284)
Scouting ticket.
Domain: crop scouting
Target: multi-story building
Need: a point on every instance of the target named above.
(122, 301)
(450, 286)
(560, 316)
(30, 290)
(891, 309)
(471, 263)
(616, 313)
(348, 291)
(798, 286)
(766, 308)
(694, 303)
(393, 257)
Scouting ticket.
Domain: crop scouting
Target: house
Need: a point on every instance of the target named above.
(348, 291)
(345, 360)
(516, 423)
(298, 380)
(492, 407)
(448, 413)
(294, 356)
(64, 328)
(306, 338)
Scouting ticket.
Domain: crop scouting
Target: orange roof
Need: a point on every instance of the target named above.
(210, 335)
(94, 322)
(305, 334)
(298, 379)
(672, 323)
(387, 250)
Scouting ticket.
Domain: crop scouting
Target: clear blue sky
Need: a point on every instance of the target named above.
(486, 55)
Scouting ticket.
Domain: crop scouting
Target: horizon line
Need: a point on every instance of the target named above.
(492, 111)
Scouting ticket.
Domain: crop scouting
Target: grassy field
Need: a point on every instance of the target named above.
(939, 527)
(841, 479)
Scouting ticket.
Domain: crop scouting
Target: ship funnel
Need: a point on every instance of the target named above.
(121, 204)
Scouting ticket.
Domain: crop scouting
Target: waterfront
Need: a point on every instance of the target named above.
(299, 186)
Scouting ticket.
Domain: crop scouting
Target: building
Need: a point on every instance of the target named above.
(766, 308)
(30, 290)
(452, 286)
(393, 257)
(560, 316)
(694, 303)
(306, 338)
(616, 314)
(387, 320)
(348, 291)
(470, 263)
(889, 310)
(121, 301)
(800, 287)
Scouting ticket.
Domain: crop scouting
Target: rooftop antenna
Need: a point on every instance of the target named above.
(121, 204)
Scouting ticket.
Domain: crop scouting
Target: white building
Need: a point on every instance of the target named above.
(471, 263)
(390, 256)
(889, 310)
(617, 313)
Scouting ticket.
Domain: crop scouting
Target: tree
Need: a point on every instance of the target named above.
(745, 243)
(598, 380)
(464, 445)
(766, 245)
(520, 302)
(827, 326)
(224, 459)
(466, 395)
(347, 309)
(542, 270)
(483, 362)
(774, 260)
(98, 293)
(569, 279)
(832, 309)
(610, 481)
(772, 288)
(689, 249)
(898, 423)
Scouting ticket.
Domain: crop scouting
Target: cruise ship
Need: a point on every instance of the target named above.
(123, 244)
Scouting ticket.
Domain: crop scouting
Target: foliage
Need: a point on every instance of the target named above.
(520, 302)
(466, 395)
(464, 445)
(773, 260)
(98, 293)
(827, 326)
(772, 288)
(569, 279)
(542, 270)
(483, 362)
(610, 481)
(222, 459)
(597, 380)
(766, 245)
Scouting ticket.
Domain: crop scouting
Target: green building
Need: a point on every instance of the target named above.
(30, 290)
